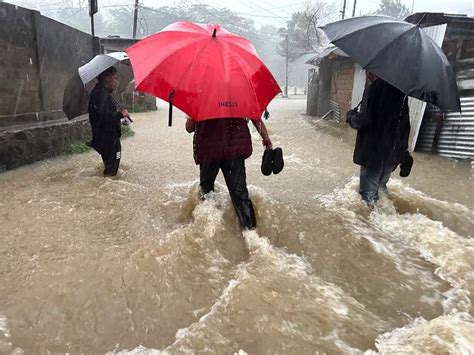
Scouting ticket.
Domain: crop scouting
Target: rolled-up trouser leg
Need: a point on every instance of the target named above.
(111, 154)
(235, 178)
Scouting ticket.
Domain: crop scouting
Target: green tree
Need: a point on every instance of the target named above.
(393, 8)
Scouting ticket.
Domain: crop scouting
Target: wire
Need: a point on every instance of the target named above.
(84, 8)
(238, 32)
(263, 9)
(275, 8)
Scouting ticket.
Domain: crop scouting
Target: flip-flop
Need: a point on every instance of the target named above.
(267, 162)
(277, 160)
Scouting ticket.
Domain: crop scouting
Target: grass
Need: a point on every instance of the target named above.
(81, 147)
(77, 148)
(127, 132)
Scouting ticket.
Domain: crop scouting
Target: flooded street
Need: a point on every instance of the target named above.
(138, 264)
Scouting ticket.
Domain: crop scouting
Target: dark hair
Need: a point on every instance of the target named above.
(106, 73)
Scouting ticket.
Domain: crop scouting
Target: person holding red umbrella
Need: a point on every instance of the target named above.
(217, 78)
(224, 145)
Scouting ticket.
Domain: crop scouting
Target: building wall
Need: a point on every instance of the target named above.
(19, 76)
(342, 84)
(38, 57)
(61, 50)
(324, 85)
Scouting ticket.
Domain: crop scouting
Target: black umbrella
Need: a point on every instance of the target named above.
(76, 97)
(401, 54)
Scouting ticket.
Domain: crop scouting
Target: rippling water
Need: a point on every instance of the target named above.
(138, 264)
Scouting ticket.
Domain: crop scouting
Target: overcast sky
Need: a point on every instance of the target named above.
(276, 12)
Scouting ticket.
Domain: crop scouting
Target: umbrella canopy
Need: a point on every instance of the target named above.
(401, 54)
(76, 97)
(204, 70)
(98, 64)
(78, 89)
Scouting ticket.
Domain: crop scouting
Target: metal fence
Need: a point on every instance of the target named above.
(455, 132)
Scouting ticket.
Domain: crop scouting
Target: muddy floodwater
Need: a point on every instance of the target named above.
(139, 264)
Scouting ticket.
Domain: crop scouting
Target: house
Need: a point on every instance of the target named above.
(340, 84)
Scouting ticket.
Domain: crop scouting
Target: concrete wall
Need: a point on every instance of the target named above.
(324, 86)
(19, 74)
(61, 50)
(37, 57)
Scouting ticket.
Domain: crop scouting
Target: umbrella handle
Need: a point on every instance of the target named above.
(120, 107)
(170, 111)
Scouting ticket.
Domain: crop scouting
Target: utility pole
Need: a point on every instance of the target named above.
(135, 17)
(354, 8)
(93, 8)
(413, 7)
(287, 54)
(344, 9)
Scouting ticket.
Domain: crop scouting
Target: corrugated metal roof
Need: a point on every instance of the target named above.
(457, 133)
(324, 53)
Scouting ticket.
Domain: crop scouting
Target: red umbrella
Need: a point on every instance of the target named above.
(204, 70)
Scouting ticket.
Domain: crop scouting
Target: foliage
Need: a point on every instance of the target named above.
(302, 30)
(81, 147)
(127, 131)
(77, 148)
(393, 8)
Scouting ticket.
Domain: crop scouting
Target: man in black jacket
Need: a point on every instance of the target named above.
(105, 120)
(383, 129)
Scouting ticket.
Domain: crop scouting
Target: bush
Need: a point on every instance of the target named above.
(77, 148)
(127, 132)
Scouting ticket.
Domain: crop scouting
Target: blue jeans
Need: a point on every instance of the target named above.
(372, 181)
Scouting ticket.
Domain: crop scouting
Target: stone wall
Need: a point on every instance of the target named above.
(25, 145)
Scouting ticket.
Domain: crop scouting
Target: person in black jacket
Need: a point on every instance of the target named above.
(105, 120)
(383, 129)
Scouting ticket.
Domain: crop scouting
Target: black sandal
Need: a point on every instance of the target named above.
(267, 162)
(278, 163)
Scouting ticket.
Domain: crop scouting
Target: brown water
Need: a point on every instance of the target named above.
(95, 265)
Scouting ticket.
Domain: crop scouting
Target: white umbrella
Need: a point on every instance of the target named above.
(98, 64)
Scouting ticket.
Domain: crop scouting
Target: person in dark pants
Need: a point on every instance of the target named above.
(224, 144)
(105, 120)
(383, 129)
